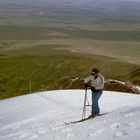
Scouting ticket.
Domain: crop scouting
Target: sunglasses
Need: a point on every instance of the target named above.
(93, 73)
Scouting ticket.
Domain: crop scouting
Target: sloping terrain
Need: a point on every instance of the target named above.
(43, 115)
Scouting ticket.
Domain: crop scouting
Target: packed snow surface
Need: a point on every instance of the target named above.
(42, 116)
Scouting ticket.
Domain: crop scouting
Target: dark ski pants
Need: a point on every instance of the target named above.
(95, 98)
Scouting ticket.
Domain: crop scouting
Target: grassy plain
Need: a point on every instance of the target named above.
(44, 55)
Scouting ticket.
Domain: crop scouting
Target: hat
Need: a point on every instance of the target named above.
(95, 70)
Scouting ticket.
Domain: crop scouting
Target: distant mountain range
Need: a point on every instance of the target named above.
(72, 11)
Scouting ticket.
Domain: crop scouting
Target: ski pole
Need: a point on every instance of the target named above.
(84, 106)
(87, 101)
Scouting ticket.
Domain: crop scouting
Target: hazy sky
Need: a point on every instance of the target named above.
(67, 1)
(79, 1)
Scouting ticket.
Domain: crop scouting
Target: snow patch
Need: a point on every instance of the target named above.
(43, 115)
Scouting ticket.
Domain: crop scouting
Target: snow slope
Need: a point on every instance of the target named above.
(42, 116)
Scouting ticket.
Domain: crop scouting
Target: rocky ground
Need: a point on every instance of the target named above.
(110, 85)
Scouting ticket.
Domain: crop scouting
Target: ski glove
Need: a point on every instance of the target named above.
(94, 90)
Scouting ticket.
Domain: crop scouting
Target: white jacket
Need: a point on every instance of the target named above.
(97, 83)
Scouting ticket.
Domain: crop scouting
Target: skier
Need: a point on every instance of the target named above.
(96, 83)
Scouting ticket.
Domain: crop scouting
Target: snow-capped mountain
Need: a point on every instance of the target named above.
(42, 116)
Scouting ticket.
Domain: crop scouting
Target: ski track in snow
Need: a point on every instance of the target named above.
(42, 116)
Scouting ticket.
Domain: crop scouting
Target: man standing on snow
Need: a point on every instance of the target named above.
(96, 83)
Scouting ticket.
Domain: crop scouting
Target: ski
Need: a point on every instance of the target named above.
(82, 120)
(67, 123)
